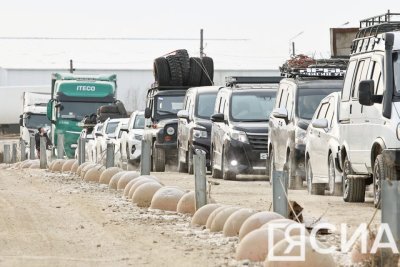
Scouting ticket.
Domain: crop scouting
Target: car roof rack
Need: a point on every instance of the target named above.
(304, 66)
(155, 86)
(365, 39)
(235, 80)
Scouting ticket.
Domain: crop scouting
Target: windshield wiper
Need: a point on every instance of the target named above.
(166, 111)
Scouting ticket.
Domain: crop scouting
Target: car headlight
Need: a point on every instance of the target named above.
(170, 130)
(300, 137)
(199, 134)
(239, 136)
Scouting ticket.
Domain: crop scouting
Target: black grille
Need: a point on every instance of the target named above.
(258, 141)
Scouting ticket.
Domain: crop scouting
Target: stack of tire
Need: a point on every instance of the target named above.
(178, 69)
(114, 111)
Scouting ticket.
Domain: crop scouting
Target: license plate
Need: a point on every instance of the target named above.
(263, 155)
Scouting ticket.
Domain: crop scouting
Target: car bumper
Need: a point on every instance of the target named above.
(167, 145)
(243, 159)
(299, 160)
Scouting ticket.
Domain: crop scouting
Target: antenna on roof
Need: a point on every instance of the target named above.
(71, 66)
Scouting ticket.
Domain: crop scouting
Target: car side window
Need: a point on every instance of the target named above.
(376, 75)
(218, 108)
(289, 102)
(361, 75)
(284, 98)
(348, 80)
(330, 112)
(323, 110)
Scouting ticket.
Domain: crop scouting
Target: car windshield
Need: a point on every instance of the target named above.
(36, 121)
(139, 122)
(169, 105)
(252, 106)
(396, 70)
(205, 105)
(78, 110)
(111, 126)
(308, 101)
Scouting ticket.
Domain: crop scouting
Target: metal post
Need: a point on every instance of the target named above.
(60, 146)
(6, 154)
(110, 155)
(293, 49)
(81, 150)
(14, 153)
(145, 157)
(279, 192)
(32, 147)
(201, 44)
(23, 149)
(43, 154)
(200, 179)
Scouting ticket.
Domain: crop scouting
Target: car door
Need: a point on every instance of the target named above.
(326, 136)
(279, 143)
(218, 131)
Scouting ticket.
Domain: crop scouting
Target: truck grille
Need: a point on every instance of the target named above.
(258, 141)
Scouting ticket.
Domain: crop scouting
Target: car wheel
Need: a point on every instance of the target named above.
(190, 161)
(353, 189)
(158, 159)
(335, 189)
(379, 175)
(313, 188)
(215, 173)
(226, 173)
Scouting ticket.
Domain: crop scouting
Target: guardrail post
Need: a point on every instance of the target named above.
(110, 155)
(43, 154)
(32, 147)
(145, 156)
(279, 192)
(60, 146)
(6, 154)
(14, 153)
(81, 150)
(23, 149)
(200, 179)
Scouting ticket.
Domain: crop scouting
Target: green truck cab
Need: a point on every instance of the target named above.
(72, 97)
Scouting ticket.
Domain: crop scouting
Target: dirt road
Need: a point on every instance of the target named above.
(57, 220)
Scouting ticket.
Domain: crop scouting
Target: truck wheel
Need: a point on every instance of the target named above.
(215, 173)
(190, 161)
(184, 60)
(353, 189)
(335, 189)
(207, 74)
(175, 70)
(312, 188)
(379, 175)
(226, 173)
(182, 166)
(161, 71)
(195, 71)
(158, 159)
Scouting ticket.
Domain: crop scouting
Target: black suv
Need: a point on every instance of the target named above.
(239, 136)
(162, 106)
(194, 127)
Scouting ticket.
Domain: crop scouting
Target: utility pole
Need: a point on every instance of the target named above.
(201, 44)
(293, 50)
(71, 66)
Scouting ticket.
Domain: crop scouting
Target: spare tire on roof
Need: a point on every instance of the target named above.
(108, 109)
(161, 71)
(195, 71)
(207, 74)
(175, 70)
(184, 60)
(121, 108)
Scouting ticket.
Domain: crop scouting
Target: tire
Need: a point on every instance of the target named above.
(175, 70)
(226, 174)
(312, 188)
(158, 159)
(108, 109)
(335, 189)
(161, 71)
(215, 173)
(121, 108)
(195, 71)
(190, 161)
(207, 74)
(353, 189)
(182, 166)
(184, 60)
(379, 175)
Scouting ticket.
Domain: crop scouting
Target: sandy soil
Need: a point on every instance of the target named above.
(57, 220)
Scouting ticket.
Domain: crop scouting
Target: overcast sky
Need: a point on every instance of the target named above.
(267, 27)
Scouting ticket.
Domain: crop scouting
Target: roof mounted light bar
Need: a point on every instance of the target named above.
(234, 80)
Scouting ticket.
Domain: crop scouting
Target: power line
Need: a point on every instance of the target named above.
(117, 38)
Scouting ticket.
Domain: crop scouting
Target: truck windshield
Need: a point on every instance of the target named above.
(111, 126)
(205, 105)
(169, 105)
(78, 110)
(36, 121)
(396, 70)
(308, 101)
(252, 106)
(139, 122)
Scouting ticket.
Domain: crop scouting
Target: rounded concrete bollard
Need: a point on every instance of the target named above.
(255, 246)
(144, 194)
(93, 175)
(78, 171)
(187, 204)
(34, 165)
(283, 224)
(214, 214)
(87, 168)
(256, 220)
(235, 221)
(57, 165)
(106, 176)
(132, 182)
(67, 166)
(219, 221)
(26, 164)
(50, 166)
(138, 182)
(201, 215)
(312, 257)
(75, 167)
(167, 198)
(115, 178)
(126, 178)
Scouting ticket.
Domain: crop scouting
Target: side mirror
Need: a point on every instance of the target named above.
(183, 114)
(320, 123)
(147, 113)
(217, 117)
(303, 124)
(280, 113)
(366, 92)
